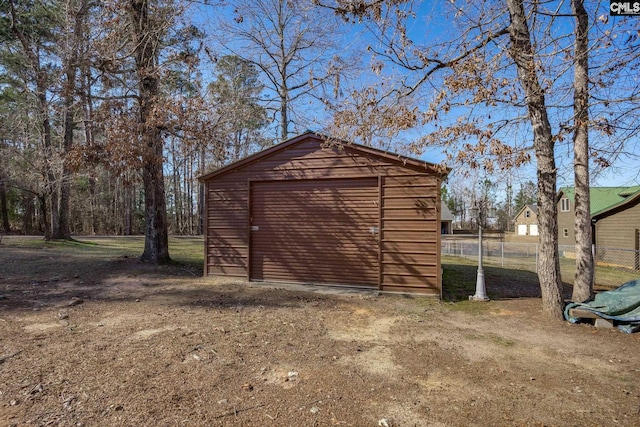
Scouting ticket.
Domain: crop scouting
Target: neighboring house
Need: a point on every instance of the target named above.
(331, 213)
(526, 221)
(615, 217)
(446, 219)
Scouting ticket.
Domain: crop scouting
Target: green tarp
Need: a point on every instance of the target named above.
(622, 305)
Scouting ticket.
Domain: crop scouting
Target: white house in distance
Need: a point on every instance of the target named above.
(446, 219)
(526, 221)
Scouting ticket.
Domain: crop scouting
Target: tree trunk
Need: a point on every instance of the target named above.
(62, 231)
(156, 244)
(70, 64)
(521, 51)
(27, 213)
(44, 216)
(128, 215)
(201, 193)
(583, 284)
(87, 111)
(190, 186)
(177, 196)
(93, 203)
(4, 211)
(284, 118)
(50, 192)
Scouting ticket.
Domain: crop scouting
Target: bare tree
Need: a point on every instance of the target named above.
(146, 58)
(128, 55)
(76, 13)
(35, 37)
(495, 59)
(146, 38)
(583, 283)
(524, 57)
(292, 43)
(235, 94)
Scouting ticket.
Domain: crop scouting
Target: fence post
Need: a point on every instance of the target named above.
(636, 261)
(502, 254)
(595, 263)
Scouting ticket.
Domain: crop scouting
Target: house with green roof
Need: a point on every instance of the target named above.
(615, 217)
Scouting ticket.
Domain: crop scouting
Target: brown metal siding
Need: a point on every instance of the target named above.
(618, 229)
(226, 220)
(409, 235)
(315, 231)
(409, 256)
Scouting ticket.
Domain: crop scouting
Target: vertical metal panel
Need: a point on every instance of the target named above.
(205, 226)
(410, 235)
(226, 227)
(380, 229)
(248, 226)
(321, 231)
(438, 267)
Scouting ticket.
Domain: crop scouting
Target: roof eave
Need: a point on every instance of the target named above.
(628, 200)
(242, 162)
(441, 171)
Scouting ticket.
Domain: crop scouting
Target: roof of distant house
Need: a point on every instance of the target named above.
(532, 208)
(604, 198)
(445, 213)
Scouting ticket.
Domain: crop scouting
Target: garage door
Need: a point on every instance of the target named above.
(533, 229)
(522, 229)
(321, 231)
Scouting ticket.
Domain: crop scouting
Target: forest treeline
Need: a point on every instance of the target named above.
(99, 101)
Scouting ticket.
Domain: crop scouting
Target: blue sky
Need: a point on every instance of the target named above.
(432, 22)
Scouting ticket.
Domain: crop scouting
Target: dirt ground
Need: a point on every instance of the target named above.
(104, 340)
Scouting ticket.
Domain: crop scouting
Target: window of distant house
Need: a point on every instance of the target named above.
(565, 232)
(564, 205)
(527, 214)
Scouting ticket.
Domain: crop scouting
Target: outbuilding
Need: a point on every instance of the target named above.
(526, 222)
(313, 210)
(615, 222)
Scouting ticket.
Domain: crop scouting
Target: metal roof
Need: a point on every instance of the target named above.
(604, 198)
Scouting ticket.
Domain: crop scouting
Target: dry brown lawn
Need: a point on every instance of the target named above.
(89, 336)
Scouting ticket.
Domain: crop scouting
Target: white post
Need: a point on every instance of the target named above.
(481, 294)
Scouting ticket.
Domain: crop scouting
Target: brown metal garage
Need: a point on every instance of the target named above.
(311, 212)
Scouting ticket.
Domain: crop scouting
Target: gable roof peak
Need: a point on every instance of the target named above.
(387, 155)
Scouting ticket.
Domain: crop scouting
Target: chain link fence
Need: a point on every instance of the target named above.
(616, 257)
(614, 264)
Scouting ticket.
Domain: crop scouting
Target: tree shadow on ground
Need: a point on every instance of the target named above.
(33, 278)
(459, 282)
(44, 279)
